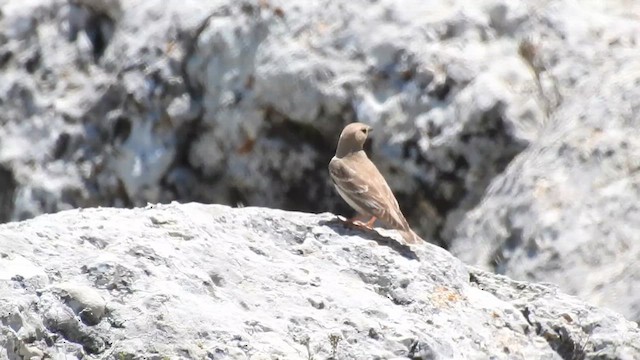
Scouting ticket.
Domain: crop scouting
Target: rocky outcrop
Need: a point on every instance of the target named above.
(207, 281)
(566, 209)
(119, 103)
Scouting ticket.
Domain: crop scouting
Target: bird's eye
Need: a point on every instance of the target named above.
(364, 130)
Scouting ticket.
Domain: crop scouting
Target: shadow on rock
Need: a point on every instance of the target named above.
(342, 228)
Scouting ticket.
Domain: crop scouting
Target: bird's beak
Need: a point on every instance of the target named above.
(370, 129)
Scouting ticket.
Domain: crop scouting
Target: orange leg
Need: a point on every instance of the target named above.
(369, 224)
(355, 222)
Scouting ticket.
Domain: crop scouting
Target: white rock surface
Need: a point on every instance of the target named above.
(118, 103)
(207, 281)
(566, 210)
(123, 102)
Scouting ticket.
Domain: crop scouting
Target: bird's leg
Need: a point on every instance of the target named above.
(354, 221)
(369, 224)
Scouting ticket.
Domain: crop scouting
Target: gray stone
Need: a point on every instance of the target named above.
(120, 103)
(566, 209)
(84, 301)
(199, 281)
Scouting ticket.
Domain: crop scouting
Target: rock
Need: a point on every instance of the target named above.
(242, 102)
(566, 209)
(207, 281)
(119, 103)
(85, 302)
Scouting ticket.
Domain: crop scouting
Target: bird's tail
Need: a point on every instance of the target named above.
(410, 237)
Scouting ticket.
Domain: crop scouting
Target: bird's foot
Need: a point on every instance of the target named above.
(354, 222)
(369, 224)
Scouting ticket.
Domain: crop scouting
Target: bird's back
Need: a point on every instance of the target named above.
(387, 209)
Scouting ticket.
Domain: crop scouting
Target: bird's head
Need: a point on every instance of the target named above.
(352, 138)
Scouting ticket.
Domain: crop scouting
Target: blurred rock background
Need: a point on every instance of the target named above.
(508, 130)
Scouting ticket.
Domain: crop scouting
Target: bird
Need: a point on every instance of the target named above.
(361, 185)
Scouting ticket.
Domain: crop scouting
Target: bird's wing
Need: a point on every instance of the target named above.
(346, 178)
(361, 181)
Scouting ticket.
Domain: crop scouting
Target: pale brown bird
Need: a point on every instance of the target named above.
(361, 185)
